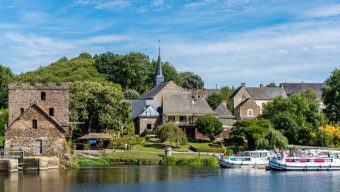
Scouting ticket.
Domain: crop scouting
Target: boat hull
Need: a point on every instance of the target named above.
(279, 166)
(227, 164)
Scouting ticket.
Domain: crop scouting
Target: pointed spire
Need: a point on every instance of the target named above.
(159, 75)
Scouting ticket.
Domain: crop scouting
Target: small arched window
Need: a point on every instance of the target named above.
(250, 113)
(51, 112)
(43, 96)
(34, 124)
(22, 110)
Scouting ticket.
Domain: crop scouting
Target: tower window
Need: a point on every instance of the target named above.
(34, 124)
(22, 110)
(43, 96)
(51, 112)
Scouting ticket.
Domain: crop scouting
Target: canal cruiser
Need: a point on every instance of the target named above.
(249, 159)
(331, 161)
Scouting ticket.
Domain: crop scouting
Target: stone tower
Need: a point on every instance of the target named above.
(53, 99)
(159, 76)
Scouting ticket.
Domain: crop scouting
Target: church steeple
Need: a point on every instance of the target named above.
(159, 75)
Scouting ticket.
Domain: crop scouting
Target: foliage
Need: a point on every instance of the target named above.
(3, 121)
(252, 130)
(296, 117)
(271, 84)
(272, 139)
(195, 162)
(81, 68)
(6, 76)
(131, 94)
(190, 80)
(172, 133)
(100, 106)
(209, 125)
(331, 97)
(329, 136)
(208, 150)
(223, 94)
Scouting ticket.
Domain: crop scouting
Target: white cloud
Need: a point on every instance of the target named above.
(106, 4)
(324, 11)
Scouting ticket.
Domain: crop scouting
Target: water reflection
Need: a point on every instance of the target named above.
(148, 178)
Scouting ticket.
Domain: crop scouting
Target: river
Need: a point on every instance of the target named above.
(157, 178)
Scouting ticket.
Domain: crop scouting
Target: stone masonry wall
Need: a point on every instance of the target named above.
(170, 87)
(23, 96)
(21, 135)
(143, 122)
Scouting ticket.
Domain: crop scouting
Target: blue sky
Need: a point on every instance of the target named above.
(224, 41)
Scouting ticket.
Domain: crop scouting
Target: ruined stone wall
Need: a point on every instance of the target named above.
(21, 135)
(23, 96)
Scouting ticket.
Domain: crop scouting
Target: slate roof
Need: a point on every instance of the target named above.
(139, 106)
(292, 88)
(266, 93)
(223, 112)
(184, 103)
(153, 92)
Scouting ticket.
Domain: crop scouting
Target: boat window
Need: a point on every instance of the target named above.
(329, 160)
(310, 160)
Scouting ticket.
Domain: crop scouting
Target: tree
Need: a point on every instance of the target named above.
(3, 121)
(272, 139)
(271, 84)
(100, 106)
(329, 136)
(209, 125)
(331, 97)
(252, 130)
(214, 100)
(131, 94)
(297, 117)
(169, 73)
(6, 76)
(172, 133)
(190, 80)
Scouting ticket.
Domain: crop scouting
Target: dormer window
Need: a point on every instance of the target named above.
(148, 112)
(51, 112)
(43, 96)
(34, 124)
(22, 110)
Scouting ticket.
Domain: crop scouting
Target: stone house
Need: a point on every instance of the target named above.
(38, 119)
(248, 102)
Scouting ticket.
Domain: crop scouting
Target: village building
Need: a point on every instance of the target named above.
(38, 119)
(248, 102)
(168, 102)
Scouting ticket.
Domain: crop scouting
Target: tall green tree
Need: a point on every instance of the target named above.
(3, 121)
(296, 117)
(131, 94)
(99, 106)
(271, 84)
(172, 133)
(272, 139)
(6, 76)
(331, 97)
(223, 94)
(190, 80)
(209, 125)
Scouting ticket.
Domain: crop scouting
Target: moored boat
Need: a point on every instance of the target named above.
(249, 159)
(330, 162)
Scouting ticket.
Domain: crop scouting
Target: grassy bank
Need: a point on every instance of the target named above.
(194, 162)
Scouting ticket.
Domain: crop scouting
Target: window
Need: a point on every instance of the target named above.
(34, 124)
(250, 113)
(171, 119)
(51, 112)
(148, 126)
(22, 110)
(43, 96)
(148, 112)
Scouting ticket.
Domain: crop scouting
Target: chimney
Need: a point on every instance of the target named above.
(261, 85)
(224, 103)
(243, 84)
(195, 93)
(204, 92)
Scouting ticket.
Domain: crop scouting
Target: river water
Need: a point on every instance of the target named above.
(157, 178)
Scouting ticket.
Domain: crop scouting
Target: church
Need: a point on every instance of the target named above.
(168, 102)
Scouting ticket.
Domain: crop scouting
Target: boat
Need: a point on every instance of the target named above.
(331, 161)
(249, 159)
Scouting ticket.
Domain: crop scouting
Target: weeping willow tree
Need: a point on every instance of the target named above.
(272, 139)
(172, 133)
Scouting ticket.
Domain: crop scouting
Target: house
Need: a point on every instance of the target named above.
(145, 115)
(225, 116)
(38, 119)
(168, 102)
(248, 102)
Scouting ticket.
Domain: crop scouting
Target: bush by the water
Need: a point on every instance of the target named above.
(207, 150)
(195, 162)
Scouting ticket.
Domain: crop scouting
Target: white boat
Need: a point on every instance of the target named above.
(329, 162)
(249, 159)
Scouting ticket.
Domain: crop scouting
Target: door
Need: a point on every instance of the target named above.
(38, 147)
